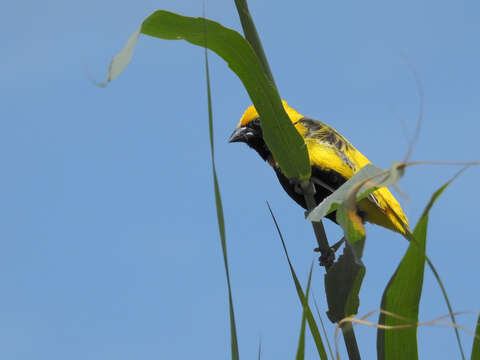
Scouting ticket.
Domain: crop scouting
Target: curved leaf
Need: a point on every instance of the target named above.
(402, 294)
(285, 143)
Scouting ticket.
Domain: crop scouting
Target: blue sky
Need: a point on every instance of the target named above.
(109, 243)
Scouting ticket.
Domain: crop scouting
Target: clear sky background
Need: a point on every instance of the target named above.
(109, 243)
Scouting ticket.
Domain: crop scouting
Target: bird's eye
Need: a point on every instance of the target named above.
(254, 124)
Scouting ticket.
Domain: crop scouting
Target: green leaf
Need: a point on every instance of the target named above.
(301, 339)
(285, 143)
(476, 342)
(310, 319)
(402, 297)
(342, 284)
(220, 217)
(402, 294)
(323, 329)
(251, 35)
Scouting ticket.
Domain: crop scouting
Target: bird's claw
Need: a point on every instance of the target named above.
(327, 258)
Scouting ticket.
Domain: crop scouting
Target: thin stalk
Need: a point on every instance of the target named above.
(252, 37)
(350, 341)
(219, 207)
(320, 234)
(307, 187)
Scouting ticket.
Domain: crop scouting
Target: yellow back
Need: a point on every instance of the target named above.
(329, 150)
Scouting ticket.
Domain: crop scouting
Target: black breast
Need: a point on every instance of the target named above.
(332, 178)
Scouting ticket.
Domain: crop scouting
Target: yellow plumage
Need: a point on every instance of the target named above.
(329, 150)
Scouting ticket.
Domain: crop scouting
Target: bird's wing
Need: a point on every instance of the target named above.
(329, 150)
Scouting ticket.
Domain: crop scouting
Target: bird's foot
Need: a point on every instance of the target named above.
(327, 258)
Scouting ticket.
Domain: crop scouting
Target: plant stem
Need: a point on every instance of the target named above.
(350, 341)
(251, 35)
(308, 189)
(318, 229)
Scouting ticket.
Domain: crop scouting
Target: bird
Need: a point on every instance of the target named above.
(333, 161)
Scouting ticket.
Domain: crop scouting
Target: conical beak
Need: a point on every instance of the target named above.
(240, 134)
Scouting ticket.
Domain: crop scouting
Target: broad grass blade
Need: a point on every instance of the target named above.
(403, 292)
(285, 143)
